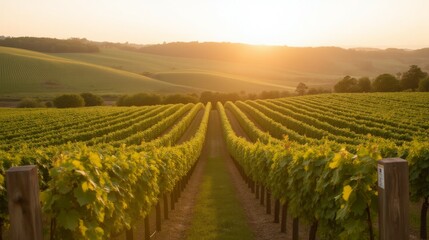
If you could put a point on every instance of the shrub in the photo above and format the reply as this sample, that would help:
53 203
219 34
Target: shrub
69 101
30 103
49 104
139 99
180 98
385 83
424 85
92 99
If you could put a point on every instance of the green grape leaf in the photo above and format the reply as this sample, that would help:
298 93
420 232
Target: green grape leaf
69 220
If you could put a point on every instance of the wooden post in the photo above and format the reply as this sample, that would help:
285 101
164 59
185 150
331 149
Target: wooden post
295 226
268 202
257 191
262 194
276 211
393 199
24 204
146 228
284 219
158 216
165 206
177 195
129 234
172 198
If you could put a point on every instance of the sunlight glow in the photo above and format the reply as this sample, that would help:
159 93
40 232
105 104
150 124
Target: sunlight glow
346 23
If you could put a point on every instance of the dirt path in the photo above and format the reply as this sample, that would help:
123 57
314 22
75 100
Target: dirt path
180 219
262 223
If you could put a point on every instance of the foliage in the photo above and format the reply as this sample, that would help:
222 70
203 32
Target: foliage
347 85
139 99
319 90
51 45
411 78
301 88
69 101
214 97
424 85
92 99
364 84
385 83
30 103
95 192
180 98
323 181
317 153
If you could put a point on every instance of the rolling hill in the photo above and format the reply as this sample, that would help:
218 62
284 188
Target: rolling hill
194 67
24 72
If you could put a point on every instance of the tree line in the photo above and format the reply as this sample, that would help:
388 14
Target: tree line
64 101
412 80
50 45
143 99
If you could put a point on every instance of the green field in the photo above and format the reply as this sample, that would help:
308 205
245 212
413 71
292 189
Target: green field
24 72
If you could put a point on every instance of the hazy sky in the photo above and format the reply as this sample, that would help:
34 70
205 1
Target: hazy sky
345 23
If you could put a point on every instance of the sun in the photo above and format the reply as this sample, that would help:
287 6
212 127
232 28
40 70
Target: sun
259 23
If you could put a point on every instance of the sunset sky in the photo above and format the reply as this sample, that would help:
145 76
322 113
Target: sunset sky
344 23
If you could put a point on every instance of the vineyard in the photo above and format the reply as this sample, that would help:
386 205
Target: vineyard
324 171
96 181
103 169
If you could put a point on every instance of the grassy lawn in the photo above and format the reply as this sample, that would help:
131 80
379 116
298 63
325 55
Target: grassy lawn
218 214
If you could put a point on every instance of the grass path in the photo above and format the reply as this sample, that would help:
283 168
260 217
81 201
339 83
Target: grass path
217 213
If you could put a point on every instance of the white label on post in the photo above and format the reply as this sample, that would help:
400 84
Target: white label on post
380 176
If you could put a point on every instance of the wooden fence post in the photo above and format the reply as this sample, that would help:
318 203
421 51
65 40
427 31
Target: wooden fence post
24 204
283 222
268 202
158 215
165 206
129 234
393 199
276 210
257 191
295 226
146 228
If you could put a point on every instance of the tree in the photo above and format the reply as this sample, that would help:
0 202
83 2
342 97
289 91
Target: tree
411 78
139 99
180 98
91 99
312 91
386 83
301 88
30 103
69 101
347 85
364 84
424 85
206 97
269 94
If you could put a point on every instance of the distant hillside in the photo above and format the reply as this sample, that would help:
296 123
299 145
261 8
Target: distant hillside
194 67
24 72
325 60
50 45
